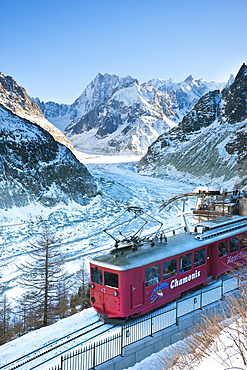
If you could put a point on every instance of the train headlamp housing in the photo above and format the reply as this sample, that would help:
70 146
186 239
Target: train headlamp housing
115 293
92 286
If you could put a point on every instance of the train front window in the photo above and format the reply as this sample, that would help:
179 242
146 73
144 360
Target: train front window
243 241
152 275
200 257
111 279
170 268
96 275
233 245
223 249
185 263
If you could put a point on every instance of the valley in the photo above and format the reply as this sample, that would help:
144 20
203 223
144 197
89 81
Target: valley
81 228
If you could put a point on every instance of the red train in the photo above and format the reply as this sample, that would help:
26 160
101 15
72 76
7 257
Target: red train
143 275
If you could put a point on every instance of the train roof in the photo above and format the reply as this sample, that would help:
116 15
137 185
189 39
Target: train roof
147 252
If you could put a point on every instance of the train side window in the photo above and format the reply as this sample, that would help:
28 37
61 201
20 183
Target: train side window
185 263
111 279
222 249
152 275
243 241
170 268
96 275
200 257
233 245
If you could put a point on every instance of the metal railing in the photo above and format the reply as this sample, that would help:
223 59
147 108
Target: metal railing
94 354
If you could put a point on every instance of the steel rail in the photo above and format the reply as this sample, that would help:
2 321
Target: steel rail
51 346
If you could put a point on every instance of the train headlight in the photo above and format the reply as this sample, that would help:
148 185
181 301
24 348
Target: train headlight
115 293
92 286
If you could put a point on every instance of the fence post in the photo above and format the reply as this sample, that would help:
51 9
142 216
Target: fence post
94 360
176 312
201 308
62 362
122 354
151 329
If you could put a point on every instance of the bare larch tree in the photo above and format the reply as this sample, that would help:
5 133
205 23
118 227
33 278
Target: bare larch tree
42 274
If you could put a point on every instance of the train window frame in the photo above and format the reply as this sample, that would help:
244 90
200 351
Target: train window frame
200 257
221 246
183 264
152 275
234 246
96 275
111 279
169 272
241 238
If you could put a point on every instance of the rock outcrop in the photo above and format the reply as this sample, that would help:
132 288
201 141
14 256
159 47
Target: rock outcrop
36 168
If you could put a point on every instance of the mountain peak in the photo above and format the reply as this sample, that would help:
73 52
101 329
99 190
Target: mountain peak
113 79
235 97
15 98
242 71
230 80
112 109
189 79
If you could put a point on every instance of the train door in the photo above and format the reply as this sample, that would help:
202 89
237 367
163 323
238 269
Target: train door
209 255
97 288
137 289
211 259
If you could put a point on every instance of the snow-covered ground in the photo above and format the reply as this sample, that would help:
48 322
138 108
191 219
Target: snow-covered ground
156 361
220 356
81 229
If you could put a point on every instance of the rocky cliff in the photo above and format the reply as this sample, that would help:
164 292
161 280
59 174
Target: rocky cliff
16 99
36 168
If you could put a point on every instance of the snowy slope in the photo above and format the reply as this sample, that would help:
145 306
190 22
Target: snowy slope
210 142
157 361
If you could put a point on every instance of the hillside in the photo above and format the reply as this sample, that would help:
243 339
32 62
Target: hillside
15 98
210 142
36 168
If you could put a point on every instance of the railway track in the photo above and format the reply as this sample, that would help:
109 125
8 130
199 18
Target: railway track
54 349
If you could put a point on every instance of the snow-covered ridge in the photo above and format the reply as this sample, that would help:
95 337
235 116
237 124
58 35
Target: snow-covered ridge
211 140
16 99
128 116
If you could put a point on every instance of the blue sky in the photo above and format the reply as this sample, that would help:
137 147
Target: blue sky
55 48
